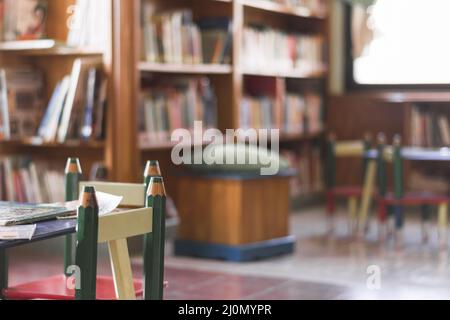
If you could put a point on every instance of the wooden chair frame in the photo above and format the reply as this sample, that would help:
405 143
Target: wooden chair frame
343 149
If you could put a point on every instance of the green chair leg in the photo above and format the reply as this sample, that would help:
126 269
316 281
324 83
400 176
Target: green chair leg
3 271
73 177
154 242
87 238
426 217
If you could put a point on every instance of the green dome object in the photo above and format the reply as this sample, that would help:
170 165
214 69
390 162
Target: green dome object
265 159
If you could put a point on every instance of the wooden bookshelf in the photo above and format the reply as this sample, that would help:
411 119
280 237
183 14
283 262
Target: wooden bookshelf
56 61
121 151
227 80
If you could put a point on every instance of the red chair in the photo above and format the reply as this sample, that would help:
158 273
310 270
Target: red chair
399 199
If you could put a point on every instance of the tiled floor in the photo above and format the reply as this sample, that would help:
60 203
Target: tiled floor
320 269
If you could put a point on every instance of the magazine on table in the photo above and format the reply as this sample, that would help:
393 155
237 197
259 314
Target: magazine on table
19 214
13 214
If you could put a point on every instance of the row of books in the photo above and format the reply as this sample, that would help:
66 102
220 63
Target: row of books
296 112
310 175
173 37
171 106
275 50
23 181
77 107
76 110
21 101
23 19
429 128
315 7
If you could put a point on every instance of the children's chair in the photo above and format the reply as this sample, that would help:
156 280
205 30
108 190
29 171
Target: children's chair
147 217
399 199
352 193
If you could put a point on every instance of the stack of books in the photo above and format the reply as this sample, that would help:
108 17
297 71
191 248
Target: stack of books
171 106
173 37
429 128
294 113
24 181
310 177
25 20
267 49
77 108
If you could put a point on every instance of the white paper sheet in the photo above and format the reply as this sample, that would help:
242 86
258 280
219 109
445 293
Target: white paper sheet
107 203
17 232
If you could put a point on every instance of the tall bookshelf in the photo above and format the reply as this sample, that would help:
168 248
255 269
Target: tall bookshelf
125 69
55 63
228 80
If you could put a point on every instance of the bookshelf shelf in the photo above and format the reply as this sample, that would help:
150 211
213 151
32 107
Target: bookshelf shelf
163 146
70 52
301 137
294 74
185 69
283 138
280 8
29 143
30 50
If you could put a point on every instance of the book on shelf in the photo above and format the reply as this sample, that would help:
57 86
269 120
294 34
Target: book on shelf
166 107
77 107
217 40
268 104
266 49
309 165
90 25
23 19
174 37
429 128
5 130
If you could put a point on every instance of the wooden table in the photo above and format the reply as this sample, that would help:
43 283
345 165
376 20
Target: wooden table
410 154
44 231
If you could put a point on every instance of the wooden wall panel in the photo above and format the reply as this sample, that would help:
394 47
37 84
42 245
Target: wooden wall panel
352 116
